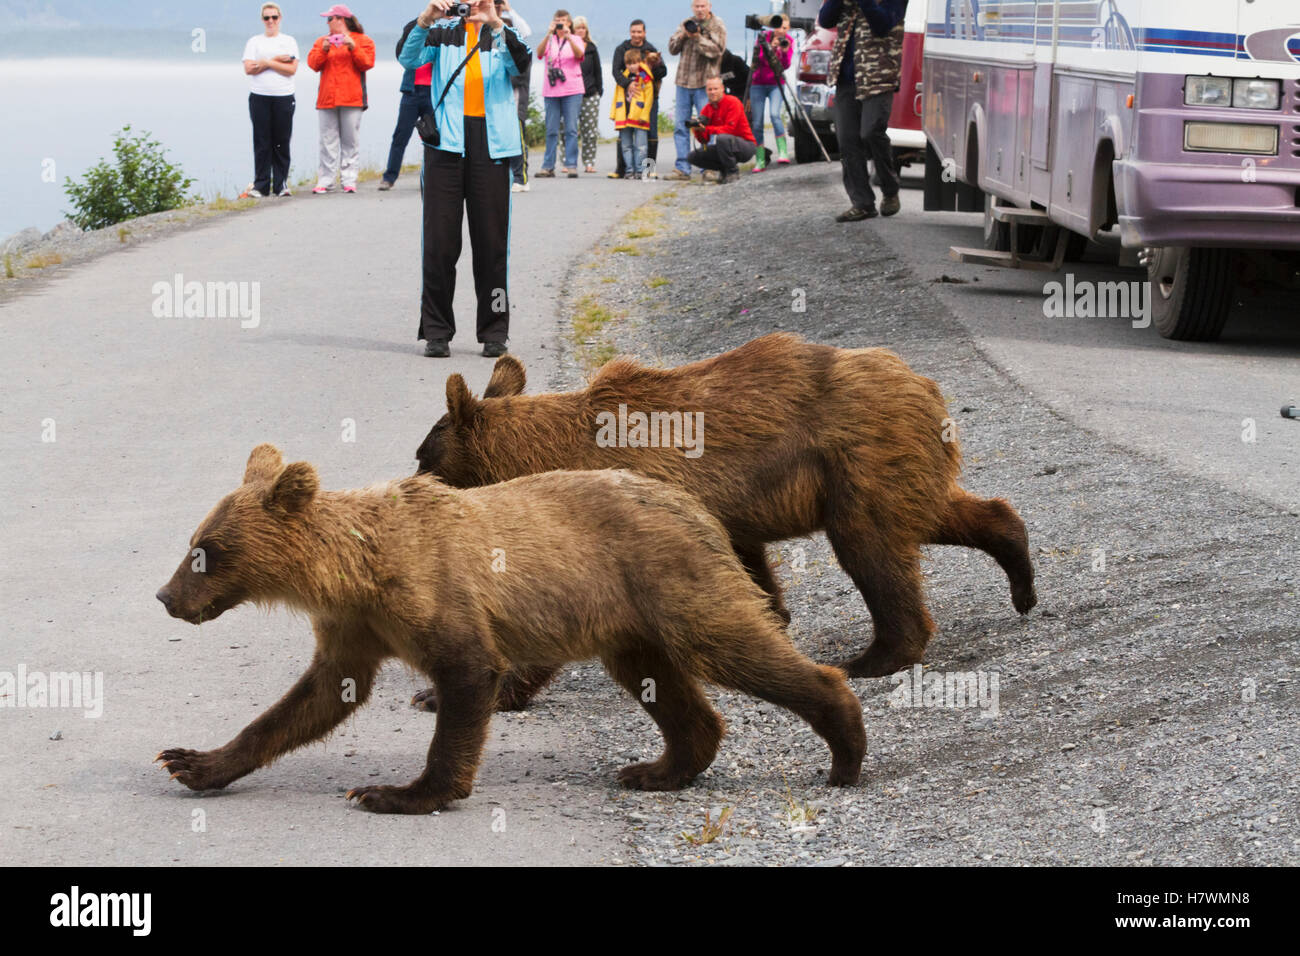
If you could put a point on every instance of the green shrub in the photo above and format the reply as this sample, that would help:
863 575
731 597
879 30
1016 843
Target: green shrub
535 127
142 182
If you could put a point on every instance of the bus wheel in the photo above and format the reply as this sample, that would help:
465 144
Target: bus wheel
997 235
1191 291
805 146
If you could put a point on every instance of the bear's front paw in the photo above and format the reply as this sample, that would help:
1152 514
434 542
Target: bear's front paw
198 770
386 799
653 776
426 700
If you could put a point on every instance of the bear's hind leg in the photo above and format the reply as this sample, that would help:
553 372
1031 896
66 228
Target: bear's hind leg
692 729
761 662
994 527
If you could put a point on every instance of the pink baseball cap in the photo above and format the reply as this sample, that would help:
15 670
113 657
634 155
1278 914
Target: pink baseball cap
338 10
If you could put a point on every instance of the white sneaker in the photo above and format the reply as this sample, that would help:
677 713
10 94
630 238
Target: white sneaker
517 188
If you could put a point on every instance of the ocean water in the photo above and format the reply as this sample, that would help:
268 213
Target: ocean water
61 114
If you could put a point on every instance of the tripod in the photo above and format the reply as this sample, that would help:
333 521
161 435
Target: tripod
791 101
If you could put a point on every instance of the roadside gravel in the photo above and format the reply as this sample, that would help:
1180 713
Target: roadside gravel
1146 709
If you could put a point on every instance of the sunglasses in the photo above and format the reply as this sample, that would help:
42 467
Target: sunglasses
271 18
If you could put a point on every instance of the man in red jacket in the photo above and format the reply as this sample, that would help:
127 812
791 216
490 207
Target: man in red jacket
724 130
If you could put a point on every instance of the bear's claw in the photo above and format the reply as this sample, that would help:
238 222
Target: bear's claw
388 799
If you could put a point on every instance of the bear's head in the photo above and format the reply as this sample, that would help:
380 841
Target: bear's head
241 551
450 450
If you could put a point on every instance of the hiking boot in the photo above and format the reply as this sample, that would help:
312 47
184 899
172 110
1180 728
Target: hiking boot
889 205
437 348
678 176
494 349
854 214
384 185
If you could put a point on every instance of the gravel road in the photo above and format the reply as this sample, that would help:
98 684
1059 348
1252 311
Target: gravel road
1146 710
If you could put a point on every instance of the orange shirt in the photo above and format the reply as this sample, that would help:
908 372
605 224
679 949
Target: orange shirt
473 75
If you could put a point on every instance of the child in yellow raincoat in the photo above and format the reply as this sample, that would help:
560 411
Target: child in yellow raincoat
631 112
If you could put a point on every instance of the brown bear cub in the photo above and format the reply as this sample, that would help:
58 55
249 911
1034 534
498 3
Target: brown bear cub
467 585
788 438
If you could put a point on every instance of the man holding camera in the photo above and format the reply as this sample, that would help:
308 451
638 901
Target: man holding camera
724 131
865 61
658 69
699 45
470 139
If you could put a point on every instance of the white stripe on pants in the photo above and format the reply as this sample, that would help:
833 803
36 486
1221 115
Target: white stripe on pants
340 133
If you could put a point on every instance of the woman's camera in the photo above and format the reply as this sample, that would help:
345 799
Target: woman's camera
461 10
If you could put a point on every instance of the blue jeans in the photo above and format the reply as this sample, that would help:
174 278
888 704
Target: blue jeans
567 106
770 96
633 144
686 98
414 105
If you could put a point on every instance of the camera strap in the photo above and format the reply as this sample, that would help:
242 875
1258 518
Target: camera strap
484 34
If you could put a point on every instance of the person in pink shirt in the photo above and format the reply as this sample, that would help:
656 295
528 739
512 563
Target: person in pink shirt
562 91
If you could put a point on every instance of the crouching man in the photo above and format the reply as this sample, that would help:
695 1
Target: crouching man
723 130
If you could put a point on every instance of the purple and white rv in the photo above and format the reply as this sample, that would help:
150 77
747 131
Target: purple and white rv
1173 123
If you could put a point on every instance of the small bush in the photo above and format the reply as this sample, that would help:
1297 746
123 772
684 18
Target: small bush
142 182
535 126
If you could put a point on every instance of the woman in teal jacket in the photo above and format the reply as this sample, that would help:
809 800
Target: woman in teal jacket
478 133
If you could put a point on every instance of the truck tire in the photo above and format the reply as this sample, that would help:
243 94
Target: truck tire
805 147
1191 291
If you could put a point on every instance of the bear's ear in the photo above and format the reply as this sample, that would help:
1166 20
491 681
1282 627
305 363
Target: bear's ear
294 489
460 403
263 464
507 378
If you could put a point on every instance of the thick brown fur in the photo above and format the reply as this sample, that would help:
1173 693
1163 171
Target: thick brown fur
465 586
798 438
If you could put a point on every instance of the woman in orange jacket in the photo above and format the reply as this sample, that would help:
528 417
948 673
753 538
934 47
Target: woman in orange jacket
342 59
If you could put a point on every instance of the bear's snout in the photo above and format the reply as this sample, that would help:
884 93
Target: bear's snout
165 596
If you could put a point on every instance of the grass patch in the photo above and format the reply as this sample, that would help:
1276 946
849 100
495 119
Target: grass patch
608 280
43 260
9 266
711 830
590 318
221 204
640 233
592 348
800 815
655 282
628 250
123 233
368 174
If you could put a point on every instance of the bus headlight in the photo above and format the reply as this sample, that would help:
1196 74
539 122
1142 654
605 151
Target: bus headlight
1257 94
1208 91
1242 92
